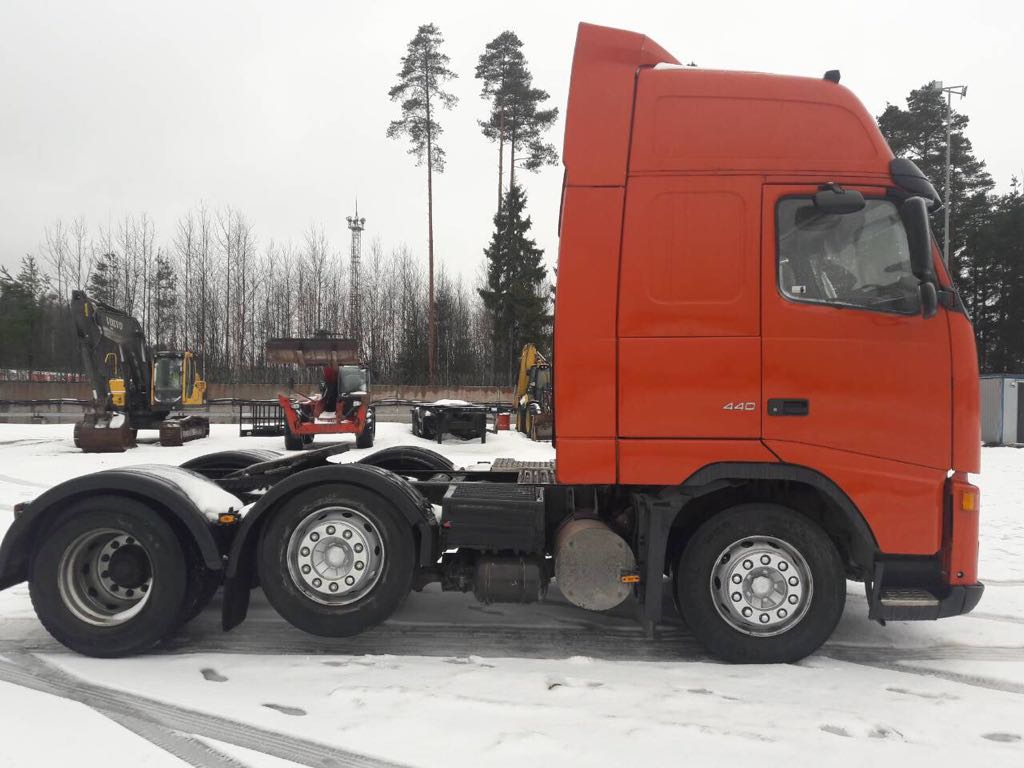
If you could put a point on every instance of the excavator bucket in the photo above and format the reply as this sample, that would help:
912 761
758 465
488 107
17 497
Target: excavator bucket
315 352
94 435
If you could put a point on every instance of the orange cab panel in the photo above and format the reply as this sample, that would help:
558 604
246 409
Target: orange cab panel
691 119
690 387
690 254
671 462
588 256
901 503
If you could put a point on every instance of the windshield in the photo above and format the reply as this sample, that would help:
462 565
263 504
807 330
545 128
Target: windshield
353 379
857 259
167 379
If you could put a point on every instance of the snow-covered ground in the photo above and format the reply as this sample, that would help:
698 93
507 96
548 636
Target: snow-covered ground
449 682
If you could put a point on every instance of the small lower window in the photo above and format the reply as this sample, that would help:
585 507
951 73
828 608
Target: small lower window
857 259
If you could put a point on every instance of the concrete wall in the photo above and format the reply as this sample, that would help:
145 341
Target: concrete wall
52 390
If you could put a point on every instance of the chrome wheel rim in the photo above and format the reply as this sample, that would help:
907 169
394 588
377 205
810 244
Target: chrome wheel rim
335 555
105 577
761 586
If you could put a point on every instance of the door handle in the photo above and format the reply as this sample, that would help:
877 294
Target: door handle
788 406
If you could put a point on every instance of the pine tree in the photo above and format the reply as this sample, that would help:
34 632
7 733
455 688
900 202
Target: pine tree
424 69
515 296
24 301
516 119
104 280
165 301
919 133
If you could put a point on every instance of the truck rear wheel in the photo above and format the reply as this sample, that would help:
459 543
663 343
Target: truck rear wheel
336 560
760 583
108 579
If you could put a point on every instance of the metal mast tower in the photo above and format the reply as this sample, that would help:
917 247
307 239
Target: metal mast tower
356 225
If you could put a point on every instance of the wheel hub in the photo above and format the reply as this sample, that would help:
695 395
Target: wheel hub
105 577
335 555
761 586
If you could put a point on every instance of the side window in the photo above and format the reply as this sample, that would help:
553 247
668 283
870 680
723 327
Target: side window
857 259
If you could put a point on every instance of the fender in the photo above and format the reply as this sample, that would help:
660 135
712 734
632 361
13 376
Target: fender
664 508
185 496
707 477
399 492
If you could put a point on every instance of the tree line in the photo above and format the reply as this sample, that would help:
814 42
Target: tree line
986 232
211 285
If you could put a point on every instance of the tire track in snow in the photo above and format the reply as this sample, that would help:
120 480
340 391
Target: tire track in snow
31 672
975 681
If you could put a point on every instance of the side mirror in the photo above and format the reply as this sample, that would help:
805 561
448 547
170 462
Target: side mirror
835 199
929 300
914 213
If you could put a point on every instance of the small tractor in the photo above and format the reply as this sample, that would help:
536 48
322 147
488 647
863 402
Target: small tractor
343 404
133 387
534 395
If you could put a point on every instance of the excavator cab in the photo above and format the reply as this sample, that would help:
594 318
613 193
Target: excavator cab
175 381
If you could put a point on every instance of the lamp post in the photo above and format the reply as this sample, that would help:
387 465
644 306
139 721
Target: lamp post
949 90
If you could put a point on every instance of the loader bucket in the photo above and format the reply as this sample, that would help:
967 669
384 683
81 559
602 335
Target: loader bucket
94 437
313 352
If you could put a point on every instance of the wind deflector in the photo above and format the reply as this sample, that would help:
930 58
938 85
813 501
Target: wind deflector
600 109
908 177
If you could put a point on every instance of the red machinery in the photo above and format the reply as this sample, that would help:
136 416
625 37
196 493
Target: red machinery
343 404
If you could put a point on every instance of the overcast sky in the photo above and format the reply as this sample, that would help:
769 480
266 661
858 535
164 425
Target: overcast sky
279 108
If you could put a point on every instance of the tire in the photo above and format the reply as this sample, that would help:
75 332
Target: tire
216 465
202 586
365 438
69 595
404 458
378 589
292 442
786 624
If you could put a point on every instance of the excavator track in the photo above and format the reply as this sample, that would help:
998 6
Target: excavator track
181 429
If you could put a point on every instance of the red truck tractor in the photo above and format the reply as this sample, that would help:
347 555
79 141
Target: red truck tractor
342 407
765 385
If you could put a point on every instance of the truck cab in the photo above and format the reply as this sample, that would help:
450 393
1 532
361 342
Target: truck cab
745 322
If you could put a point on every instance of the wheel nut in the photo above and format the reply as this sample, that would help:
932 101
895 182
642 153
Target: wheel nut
793 599
346 534
330 530
783 566
748 612
317 583
763 618
793 581
314 536
747 564
304 551
360 565
736 597
306 569
334 586
350 580
783 613
765 559
358 548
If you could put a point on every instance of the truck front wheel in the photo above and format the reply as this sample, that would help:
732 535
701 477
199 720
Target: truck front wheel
760 583
336 560
108 578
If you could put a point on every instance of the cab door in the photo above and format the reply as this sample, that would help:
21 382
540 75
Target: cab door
849 361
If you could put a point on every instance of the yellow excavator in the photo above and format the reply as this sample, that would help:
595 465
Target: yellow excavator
534 395
133 387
